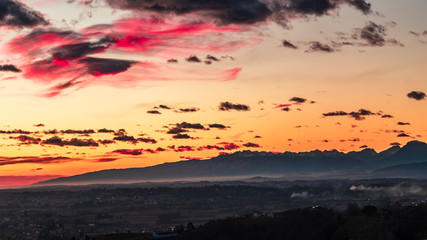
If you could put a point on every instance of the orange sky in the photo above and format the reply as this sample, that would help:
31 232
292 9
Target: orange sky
90 65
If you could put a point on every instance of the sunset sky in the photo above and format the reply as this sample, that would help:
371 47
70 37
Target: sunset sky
88 85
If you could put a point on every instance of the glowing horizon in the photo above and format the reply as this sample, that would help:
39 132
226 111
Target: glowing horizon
192 79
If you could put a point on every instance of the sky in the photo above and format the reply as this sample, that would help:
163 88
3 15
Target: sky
87 85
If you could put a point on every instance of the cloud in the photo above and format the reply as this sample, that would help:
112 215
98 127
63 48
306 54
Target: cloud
288 44
9 68
374 34
15 131
190 125
134 152
37 160
153 112
320 47
336 113
298 100
172 60
403 135
222 146
403 123
73 131
176 130
125 138
104 130
24 139
242 12
163 107
217 125
251 145
181 136
105 66
212 58
386 116
395 144
193 59
38 125
286 109
187 110
227 106
417 95
16 14
72 142
358 115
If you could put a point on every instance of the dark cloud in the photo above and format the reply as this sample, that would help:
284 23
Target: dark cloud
374 34
364 146
72 142
163 107
187 110
320 47
225 12
227 106
154 112
417 95
9 68
395 144
336 113
24 139
104 130
72 131
147 140
38 125
222 146
106 141
286 109
176 130
251 145
310 7
15 131
217 125
257 136
181 136
134 152
102 66
79 50
403 135
358 115
212 58
403 123
361 5
125 138
172 60
184 149
190 125
386 116
16 14
193 59
298 100
289 44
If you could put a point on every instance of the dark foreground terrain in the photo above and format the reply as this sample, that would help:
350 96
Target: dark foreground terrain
254 209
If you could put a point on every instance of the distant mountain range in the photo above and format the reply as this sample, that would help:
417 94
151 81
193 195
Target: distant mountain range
407 161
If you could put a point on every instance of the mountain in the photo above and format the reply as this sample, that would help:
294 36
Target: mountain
248 163
411 170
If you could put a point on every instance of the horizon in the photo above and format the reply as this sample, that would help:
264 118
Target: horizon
90 85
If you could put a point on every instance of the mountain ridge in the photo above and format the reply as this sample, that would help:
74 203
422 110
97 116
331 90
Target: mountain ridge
249 163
